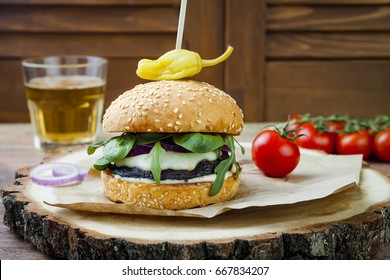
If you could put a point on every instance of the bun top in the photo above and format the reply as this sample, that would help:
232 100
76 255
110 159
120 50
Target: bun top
174 106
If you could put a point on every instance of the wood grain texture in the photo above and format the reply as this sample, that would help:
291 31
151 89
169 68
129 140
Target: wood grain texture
92 2
327 2
328 45
87 19
245 70
16 45
203 33
357 88
328 18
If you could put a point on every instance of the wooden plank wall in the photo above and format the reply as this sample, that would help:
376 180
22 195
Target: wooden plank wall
327 57
291 56
123 31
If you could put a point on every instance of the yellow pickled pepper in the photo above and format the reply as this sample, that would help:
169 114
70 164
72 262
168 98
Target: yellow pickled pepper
177 64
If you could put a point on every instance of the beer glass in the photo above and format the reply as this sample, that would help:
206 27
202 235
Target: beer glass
65 96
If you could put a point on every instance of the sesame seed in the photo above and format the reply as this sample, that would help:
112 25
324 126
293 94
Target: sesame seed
199 121
157 120
184 102
180 116
176 110
161 129
139 114
169 125
199 113
178 123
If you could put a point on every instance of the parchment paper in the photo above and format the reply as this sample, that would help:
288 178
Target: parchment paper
317 176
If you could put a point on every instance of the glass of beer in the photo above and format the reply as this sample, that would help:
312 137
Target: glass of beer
65 96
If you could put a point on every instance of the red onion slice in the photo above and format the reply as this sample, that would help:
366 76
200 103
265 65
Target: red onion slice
61 174
58 172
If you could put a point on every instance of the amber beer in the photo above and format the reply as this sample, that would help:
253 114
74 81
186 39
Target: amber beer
65 96
65 110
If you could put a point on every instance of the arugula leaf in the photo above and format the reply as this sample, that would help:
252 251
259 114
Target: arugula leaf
156 166
199 142
118 147
92 148
221 170
224 166
101 164
147 138
242 148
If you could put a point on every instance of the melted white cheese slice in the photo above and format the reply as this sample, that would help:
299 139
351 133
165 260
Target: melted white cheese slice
168 160
206 178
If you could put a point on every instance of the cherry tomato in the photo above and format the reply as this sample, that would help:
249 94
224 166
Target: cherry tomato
307 131
382 145
274 154
292 125
312 139
335 126
326 141
359 142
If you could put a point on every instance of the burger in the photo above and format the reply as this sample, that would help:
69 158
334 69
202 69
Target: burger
173 148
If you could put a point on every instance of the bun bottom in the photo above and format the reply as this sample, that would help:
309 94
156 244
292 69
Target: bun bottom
166 196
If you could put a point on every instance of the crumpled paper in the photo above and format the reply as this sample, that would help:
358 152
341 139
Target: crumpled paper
317 175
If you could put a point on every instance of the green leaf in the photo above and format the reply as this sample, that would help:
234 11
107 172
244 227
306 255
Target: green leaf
147 138
223 167
155 153
118 147
101 164
221 170
241 147
92 148
199 142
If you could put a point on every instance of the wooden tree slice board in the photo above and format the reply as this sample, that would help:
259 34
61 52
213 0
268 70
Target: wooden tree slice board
353 224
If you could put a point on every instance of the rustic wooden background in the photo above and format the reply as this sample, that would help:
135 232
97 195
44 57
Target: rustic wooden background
291 56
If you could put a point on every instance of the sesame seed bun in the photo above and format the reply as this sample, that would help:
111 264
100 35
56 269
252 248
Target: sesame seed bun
174 107
166 196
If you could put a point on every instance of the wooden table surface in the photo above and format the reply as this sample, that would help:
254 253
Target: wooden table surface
17 150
